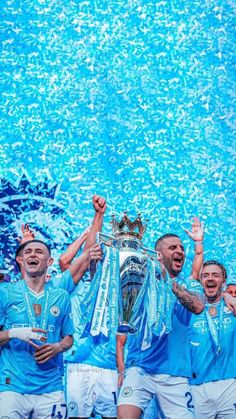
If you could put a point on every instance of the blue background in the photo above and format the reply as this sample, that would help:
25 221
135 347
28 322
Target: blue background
134 100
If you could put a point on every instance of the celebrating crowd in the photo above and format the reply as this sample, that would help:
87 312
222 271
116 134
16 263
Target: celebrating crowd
51 366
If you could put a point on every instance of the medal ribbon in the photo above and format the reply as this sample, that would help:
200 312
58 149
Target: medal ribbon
157 320
29 306
169 303
214 332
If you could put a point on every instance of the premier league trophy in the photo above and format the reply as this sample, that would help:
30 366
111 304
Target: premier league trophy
133 266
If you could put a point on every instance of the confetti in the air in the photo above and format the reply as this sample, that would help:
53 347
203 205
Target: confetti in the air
131 100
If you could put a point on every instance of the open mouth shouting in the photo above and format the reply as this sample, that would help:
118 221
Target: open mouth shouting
178 262
211 287
32 262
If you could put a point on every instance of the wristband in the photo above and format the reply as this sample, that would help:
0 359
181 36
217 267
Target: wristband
196 243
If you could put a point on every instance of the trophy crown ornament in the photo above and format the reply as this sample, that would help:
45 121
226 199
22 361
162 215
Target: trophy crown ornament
126 227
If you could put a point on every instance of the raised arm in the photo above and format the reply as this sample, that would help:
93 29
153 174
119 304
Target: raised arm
82 263
99 205
92 251
197 235
71 251
27 234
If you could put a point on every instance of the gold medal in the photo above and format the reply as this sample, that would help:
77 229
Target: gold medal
37 309
212 311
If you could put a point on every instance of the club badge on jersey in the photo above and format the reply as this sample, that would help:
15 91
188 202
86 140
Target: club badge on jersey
212 311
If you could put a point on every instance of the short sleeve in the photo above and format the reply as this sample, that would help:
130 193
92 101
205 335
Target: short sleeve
67 327
64 281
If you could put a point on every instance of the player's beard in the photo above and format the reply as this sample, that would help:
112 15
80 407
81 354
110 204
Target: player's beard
171 267
211 298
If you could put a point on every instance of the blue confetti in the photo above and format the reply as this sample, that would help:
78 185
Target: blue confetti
134 101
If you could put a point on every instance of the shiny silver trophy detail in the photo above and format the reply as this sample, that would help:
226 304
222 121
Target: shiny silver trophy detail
133 260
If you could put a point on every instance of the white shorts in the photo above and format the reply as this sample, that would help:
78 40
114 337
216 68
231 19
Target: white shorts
43 406
215 399
91 389
172 393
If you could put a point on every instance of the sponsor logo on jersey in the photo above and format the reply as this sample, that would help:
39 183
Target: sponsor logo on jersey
204 325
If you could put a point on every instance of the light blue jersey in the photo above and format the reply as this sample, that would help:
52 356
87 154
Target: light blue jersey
82 346
103 353
212 344
96 351
168 354
19 371
64 281
195 286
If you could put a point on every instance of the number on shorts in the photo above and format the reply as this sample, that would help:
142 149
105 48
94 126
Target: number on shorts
189 402
115 398
56 414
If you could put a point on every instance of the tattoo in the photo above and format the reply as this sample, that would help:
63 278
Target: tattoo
190 300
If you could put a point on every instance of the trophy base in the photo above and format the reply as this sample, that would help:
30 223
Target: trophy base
126 329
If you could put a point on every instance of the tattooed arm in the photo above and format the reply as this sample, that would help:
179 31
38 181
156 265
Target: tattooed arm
188 299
